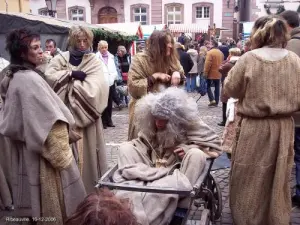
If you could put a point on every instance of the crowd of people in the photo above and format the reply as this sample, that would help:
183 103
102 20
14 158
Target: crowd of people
55 104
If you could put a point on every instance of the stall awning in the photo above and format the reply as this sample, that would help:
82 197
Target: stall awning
133 28
188 28
148 29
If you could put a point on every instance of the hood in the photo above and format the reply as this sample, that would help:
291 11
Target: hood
192 52
295 32
234 58
271 54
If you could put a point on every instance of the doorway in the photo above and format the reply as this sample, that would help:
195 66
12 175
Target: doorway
107 15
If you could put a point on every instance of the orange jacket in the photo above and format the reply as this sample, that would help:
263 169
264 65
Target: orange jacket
213 61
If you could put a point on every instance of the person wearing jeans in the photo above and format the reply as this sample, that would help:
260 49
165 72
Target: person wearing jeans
192 75
213 61
216 96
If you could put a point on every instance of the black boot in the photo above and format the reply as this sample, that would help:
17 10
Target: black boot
222 124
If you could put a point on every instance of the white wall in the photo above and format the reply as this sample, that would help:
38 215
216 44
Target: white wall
82 3
35 5
188 9
128 3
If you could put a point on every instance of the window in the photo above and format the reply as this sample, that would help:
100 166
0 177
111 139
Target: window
43 12
140 15
174 15
77 13
202 12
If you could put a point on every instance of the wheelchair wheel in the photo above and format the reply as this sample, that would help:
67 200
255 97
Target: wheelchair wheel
214 203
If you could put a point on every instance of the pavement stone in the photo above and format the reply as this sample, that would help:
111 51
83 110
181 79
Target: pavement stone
114 137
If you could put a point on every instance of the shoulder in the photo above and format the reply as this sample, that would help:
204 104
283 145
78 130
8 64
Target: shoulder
92 57
61 57
293 56
29 79
141 57
111 55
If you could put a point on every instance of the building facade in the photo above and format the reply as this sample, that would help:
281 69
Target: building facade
15 6
148 12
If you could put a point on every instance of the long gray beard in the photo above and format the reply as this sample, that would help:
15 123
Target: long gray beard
169 137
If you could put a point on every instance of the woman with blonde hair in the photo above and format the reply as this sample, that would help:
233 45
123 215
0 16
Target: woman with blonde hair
152 71
266 83
77 77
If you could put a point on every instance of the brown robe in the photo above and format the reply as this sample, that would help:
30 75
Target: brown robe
140 69
42 177
86 100
263 156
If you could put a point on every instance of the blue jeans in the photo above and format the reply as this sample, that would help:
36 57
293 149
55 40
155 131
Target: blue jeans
297 159
191 82
211 96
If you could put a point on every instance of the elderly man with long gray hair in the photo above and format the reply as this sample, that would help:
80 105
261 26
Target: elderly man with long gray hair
171 131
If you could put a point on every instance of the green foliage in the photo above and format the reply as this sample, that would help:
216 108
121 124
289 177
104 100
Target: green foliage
102 34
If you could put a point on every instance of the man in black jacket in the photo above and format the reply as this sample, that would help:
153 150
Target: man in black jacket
185 59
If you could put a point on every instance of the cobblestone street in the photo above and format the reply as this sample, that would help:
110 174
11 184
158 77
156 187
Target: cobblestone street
115 136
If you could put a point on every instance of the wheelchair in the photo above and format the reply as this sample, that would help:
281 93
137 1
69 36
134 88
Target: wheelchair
205 195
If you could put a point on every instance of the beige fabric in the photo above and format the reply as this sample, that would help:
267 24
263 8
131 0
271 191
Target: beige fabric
141 68
136 167
57 155
262 159
86 101
31 107
200 143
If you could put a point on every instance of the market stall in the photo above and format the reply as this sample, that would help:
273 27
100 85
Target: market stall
57 29
134 28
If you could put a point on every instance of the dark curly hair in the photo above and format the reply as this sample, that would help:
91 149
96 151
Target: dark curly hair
102 207
18 42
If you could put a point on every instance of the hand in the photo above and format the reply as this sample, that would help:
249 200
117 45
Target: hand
180 152
175 80
78 75
162 77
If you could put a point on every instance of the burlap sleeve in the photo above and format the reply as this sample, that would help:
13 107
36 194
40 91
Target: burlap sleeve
56 149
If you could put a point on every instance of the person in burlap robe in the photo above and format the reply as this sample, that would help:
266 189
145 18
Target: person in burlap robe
77 77
266 83
151 71
171 132
39 175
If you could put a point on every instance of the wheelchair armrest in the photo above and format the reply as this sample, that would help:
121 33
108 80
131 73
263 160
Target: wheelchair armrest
206 170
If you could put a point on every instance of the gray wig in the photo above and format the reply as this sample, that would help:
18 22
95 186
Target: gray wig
173 105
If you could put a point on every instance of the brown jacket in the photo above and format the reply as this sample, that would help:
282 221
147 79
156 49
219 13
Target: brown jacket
213 61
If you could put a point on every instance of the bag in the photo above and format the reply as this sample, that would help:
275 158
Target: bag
198 81
125 76
202 85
